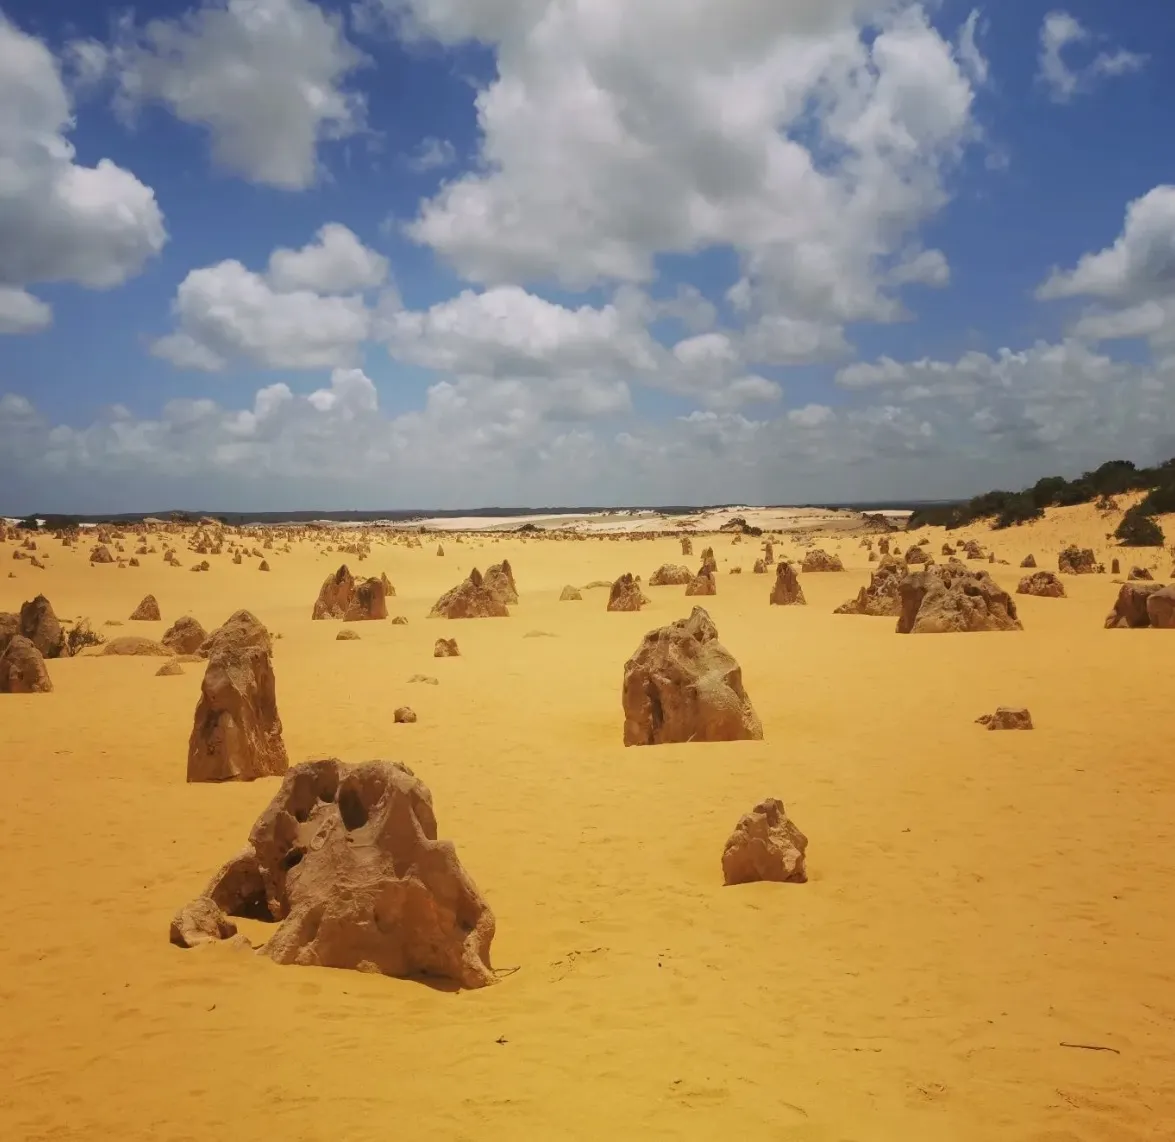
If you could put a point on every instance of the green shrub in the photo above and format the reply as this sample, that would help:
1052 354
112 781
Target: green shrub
1138 530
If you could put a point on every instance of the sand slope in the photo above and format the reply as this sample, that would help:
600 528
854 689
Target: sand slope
975 900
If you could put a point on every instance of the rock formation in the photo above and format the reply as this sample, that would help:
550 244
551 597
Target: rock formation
1044 584
335 595
670 575
1007 718
470 600
787 591
1160 608
570 594
367 602
499 578
704 582
184 636
101 554
951 598
687 545
446 648
346 861
1077 561
917 555
169 669
882 598
134 646
765 845
404 715
759 567
683 685
1131 607
347 636
241 629
147 611
40 626
236 732
1140 574
22 668
818 560
626 595
1028 561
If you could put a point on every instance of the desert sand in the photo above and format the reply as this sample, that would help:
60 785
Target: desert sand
975 900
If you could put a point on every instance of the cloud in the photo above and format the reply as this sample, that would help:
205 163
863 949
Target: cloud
809 140
432 154
970 55
60 221
1060 32
1133 279
20 312
306 312
268 80
335 262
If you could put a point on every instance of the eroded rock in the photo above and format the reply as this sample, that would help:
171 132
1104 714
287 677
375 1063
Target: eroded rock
1043 584
882 598
471 599
953 599
786 591
765 845
22 668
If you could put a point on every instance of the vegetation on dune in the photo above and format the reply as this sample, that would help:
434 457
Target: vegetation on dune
1137 529
1113 478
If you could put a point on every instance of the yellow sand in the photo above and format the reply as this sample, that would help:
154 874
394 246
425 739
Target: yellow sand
976 899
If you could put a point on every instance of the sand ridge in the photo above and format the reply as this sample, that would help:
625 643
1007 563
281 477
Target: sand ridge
974 899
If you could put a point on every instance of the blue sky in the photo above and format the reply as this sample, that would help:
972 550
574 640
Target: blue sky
553 251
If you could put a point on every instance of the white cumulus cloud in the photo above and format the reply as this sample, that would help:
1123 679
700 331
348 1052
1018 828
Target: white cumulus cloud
1060 35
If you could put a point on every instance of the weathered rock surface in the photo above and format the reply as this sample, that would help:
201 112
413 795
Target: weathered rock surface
670 575
241 629
818 560
786 591
40 626
1007 718
346 861
236 732
626 595
683 685
1028 561
101 554
334 597
954 599
22 668
169 669
147 611
367 602
1160 608
765 845
1130 608
917 555
882 598
570 594
470 600
705 582
135 646
1043 584
184 636
347 636
404 715
200 922
446 648
499 578
1077 561
1140 574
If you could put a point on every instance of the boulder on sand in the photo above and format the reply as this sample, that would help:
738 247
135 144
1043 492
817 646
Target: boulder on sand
236 731
334 597
882 598
345 860
570 594
1007 718
818 560
917 555
446 648
147 611
1028 561
1131 607
200 922
470 600
499 578
787 591
101 554
687 545
242 628
404 715
953 599
683 685
704 582
367 602
135 646
40 626
22 668
626 595
1140 574
765 845
1043 584
184 636
1160 608
670 575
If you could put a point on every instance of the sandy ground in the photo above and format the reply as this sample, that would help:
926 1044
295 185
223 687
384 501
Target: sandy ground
976 899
